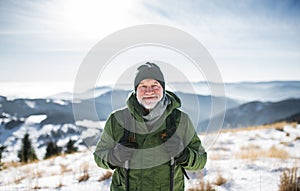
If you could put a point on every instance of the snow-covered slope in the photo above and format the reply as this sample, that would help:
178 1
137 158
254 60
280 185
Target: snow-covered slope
254 159
40 135
240 157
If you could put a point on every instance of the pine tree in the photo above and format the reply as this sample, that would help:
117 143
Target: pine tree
27 153
2 148
71 147
52 150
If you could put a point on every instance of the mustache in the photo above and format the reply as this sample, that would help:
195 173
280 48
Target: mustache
150 96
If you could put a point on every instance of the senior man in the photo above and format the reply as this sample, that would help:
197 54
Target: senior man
150 143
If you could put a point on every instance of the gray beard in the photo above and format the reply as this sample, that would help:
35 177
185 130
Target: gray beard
147 106
154 118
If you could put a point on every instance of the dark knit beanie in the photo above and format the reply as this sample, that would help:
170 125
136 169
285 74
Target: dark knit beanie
149 71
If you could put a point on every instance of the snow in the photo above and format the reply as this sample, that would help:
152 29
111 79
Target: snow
294 132
60 102
35 118
30 104
261 173
91 124
38 134
61 172
93 127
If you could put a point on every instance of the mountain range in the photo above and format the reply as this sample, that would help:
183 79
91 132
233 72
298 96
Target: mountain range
52 118
258 113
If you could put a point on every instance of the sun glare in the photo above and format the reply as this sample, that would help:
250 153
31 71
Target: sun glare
93 18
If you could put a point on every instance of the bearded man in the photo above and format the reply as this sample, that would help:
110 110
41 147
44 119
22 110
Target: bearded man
150 143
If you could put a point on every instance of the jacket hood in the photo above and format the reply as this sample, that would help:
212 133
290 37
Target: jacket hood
138 111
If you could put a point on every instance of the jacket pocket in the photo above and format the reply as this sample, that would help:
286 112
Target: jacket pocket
118 183
178 185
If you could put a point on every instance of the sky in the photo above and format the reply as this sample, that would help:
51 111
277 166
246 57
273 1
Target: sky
249 40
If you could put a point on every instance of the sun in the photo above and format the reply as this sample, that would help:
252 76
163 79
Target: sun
93 18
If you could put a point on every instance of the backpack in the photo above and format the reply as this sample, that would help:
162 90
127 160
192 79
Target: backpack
165 135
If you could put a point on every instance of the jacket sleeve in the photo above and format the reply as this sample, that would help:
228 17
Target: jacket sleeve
197 156
104 145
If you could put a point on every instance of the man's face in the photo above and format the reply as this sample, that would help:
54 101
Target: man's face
149 92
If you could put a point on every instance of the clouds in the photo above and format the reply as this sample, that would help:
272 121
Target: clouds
249 36
250 40
237 20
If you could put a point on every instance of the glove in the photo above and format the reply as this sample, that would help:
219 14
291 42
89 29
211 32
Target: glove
175 148
121 152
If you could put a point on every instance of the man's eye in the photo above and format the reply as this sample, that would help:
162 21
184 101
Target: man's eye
153 87
143 87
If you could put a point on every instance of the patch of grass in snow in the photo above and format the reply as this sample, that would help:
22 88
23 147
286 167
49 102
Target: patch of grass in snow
220 180
275 152
37 187
84 177
203 186
60 185
64 169
85 170
7 165
284 143
254 152
250 147
289 181
251 152
214 156
13 164
18 179
278 126
105 176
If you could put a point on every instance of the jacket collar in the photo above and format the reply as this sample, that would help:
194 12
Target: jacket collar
137 111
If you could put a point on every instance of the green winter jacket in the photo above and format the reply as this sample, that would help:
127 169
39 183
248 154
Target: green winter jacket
150 163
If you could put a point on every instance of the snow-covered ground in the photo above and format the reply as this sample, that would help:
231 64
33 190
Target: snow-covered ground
247 160
253 160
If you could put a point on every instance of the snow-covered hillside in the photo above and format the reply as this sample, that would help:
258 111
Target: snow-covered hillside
253 159
245 159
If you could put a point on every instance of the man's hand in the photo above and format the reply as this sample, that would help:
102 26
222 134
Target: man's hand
122 152
176 149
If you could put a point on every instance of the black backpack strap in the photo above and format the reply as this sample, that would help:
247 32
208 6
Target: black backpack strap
170 125
128 136
171 129
129 132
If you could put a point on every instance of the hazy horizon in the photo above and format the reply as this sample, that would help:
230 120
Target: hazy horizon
35 89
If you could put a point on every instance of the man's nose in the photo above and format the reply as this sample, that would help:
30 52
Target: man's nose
149 89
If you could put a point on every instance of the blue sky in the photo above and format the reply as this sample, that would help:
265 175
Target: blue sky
251 40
